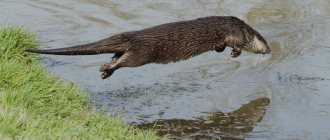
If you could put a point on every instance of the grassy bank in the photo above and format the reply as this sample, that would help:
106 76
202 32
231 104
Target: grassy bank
34 105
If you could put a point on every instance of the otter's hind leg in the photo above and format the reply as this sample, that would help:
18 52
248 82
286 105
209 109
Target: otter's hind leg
113 61
125 60
115 57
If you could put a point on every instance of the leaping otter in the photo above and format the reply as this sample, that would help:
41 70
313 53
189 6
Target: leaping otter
171 42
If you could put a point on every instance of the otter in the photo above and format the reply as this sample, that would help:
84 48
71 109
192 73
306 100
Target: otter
171 42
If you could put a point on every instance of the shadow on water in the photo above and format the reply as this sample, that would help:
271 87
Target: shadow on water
232 125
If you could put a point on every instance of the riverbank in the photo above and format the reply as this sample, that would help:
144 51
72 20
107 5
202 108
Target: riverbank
35 105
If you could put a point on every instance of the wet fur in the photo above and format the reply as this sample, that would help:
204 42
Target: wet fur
171 42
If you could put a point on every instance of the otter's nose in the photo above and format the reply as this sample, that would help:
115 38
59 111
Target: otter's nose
267 51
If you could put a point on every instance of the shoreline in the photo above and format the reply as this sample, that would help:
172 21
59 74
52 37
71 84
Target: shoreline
35 105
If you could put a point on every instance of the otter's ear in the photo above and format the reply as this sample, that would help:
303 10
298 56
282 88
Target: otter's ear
234 39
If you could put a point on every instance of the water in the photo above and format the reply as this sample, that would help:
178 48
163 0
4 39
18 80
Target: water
201 97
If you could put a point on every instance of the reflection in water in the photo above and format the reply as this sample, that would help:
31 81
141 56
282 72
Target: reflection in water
296 75
217 125
284 11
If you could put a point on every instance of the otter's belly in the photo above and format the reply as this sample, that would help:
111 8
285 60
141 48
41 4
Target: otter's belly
180 53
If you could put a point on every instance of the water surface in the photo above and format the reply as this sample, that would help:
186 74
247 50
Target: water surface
197 97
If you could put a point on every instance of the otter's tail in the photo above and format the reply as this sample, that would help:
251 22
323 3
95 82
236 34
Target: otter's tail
108 45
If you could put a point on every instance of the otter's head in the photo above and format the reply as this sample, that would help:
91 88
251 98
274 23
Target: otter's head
254 42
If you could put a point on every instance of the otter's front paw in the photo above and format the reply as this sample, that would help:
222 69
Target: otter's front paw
220 49
235 53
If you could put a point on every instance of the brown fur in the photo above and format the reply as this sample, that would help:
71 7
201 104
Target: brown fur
170 42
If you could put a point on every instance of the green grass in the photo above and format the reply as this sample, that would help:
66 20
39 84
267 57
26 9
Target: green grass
35 105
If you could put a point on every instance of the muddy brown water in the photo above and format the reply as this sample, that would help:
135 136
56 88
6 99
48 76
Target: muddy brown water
211 96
